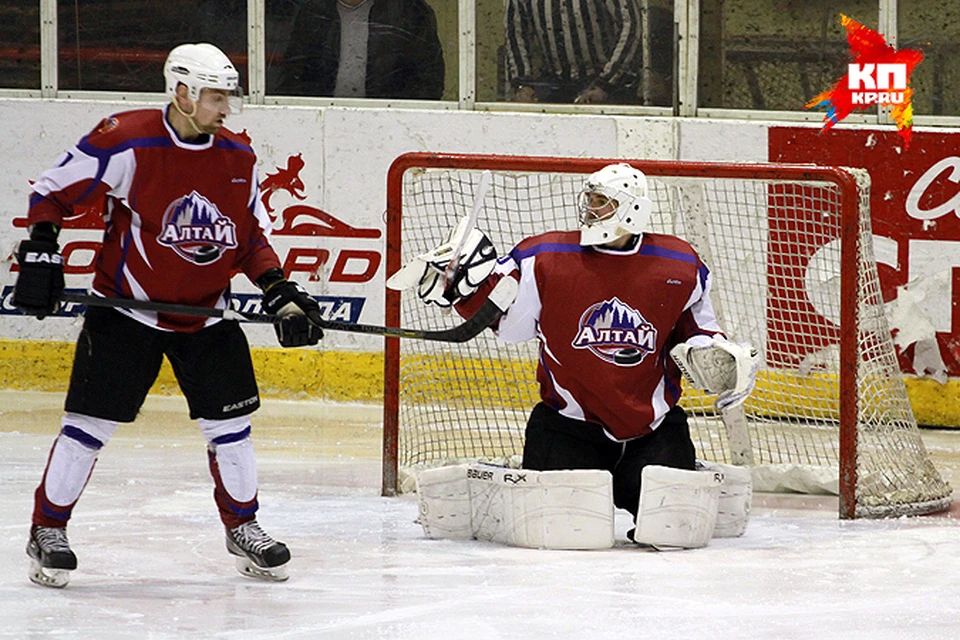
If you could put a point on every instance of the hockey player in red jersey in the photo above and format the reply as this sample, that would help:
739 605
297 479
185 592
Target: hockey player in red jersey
183 216
610 304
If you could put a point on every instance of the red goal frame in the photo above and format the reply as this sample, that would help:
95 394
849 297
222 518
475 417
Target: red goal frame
849 238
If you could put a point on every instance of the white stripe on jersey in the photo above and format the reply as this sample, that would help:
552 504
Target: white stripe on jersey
659 403
148 318
256 205
701 308
521 321
572 408
137 236
118 173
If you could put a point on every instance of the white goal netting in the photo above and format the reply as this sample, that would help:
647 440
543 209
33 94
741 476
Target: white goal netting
773 237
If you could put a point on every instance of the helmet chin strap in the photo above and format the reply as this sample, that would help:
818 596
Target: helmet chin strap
188 116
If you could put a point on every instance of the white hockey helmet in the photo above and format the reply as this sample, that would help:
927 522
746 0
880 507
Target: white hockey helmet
623 187
202 66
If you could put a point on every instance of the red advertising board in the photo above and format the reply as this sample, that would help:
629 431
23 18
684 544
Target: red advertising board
915 210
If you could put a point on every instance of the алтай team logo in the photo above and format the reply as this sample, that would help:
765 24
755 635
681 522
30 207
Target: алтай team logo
616 333
196 230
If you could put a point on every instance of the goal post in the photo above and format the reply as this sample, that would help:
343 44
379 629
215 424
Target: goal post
790 247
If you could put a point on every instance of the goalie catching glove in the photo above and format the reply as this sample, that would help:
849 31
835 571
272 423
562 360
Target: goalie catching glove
719 366
428 271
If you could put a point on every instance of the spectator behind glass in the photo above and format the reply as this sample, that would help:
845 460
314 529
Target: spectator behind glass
364 49
588 50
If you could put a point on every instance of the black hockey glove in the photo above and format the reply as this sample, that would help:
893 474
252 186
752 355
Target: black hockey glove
40 283
298 314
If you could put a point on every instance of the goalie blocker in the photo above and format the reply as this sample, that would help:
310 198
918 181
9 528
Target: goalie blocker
574 509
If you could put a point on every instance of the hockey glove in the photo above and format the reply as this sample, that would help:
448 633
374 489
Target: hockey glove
477 260
428 271
40 283
720 367
298 315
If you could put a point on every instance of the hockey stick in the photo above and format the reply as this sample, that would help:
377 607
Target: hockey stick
469 224
493 307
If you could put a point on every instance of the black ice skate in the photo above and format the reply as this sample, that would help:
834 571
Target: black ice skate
258 555
51 559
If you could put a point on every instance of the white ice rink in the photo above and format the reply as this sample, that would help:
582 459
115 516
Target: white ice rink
153 563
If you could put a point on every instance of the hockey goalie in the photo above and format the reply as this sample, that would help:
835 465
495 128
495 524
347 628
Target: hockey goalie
621 315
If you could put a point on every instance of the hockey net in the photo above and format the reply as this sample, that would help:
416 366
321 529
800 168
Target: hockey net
794 275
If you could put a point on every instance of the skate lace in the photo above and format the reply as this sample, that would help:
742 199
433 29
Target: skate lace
52 539
251 537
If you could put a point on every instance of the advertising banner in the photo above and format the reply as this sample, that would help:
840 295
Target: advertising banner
915 210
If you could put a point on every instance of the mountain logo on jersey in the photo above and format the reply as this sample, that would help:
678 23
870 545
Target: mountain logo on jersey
196 230
616 332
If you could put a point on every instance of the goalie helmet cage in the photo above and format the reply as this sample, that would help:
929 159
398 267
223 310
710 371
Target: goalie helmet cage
794 274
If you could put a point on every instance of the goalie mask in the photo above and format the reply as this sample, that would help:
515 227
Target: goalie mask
202 66
613 203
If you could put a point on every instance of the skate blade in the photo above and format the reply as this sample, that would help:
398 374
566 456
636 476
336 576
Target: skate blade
249 569
47 577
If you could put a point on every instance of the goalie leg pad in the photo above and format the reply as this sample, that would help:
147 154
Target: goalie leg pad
736 495
678 508
542 509
444 502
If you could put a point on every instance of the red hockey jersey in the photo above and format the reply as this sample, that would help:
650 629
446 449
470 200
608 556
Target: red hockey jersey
181 217
606 321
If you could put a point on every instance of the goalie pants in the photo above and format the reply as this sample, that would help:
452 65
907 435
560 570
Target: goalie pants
117 360
556 442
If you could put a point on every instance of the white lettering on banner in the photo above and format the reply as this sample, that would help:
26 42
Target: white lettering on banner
931 266
821 280
920 187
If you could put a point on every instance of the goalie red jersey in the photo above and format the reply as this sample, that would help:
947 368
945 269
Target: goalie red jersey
181 218
606 320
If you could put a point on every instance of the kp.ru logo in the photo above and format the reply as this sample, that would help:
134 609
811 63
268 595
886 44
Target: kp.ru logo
196 230
873 77
616 333
879 75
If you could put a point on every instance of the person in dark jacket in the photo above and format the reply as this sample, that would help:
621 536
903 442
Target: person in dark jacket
364 49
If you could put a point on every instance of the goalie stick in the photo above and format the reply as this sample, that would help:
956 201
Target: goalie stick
468 224
493 307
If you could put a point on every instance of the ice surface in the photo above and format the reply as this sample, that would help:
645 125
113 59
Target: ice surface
153 563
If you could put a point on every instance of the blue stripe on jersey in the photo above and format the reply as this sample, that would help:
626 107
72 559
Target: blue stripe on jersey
546 247
233 146
661 252
703 272
35 198
66 160
103 155
673 391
